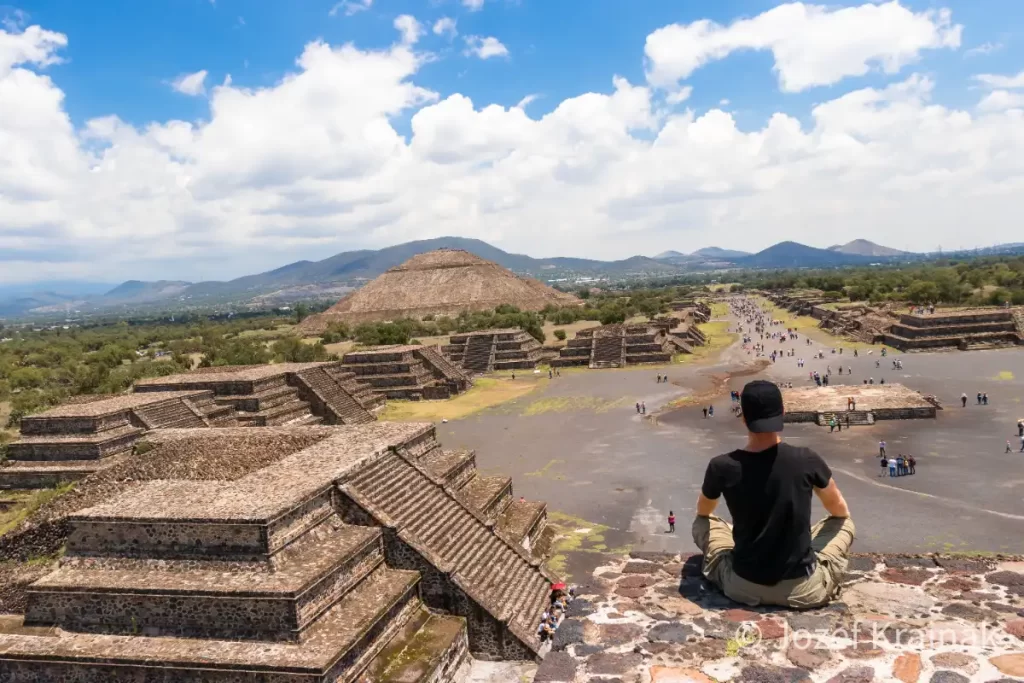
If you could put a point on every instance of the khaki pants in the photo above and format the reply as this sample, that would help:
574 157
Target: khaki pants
831 539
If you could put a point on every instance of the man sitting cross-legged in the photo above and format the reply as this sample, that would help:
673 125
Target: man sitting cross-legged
771 555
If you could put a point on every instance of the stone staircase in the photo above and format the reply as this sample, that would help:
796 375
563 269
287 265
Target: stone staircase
852 418
330 399
607 352
460 529
362 392
448 370
479 356
171 414
256 579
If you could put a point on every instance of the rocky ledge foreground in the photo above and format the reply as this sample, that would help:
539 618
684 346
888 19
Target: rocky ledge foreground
653 618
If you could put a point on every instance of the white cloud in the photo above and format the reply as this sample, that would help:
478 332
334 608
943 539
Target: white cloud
484 47
446 26
1001 100
473 5
350 7
997 81
191 84
313 164
527 101
983 49
410 29
812 45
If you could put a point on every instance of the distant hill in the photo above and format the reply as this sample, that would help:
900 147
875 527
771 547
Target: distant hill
796 255
670 254
137 291
865 248
719 253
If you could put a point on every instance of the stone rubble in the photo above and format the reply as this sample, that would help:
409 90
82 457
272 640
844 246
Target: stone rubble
652 618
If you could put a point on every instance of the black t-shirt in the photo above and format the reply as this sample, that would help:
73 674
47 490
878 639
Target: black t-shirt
769 496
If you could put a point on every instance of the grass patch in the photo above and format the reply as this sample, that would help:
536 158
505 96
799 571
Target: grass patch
487 392
567 404
32 502
5 413
719 309
570 331
1005 376
575 535
719 338
808 326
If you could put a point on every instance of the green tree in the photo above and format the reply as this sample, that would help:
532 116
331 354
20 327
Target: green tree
301 312
559 335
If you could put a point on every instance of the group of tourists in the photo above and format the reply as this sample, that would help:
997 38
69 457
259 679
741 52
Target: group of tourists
641 408
899 465
662 379
982 399
559 601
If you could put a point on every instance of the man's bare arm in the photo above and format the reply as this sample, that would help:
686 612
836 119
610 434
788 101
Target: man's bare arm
832 498
706 506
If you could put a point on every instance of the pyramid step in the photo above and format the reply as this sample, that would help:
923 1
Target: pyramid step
182 519
520 518
338 647
453 468
276 605
30 474
430 649
487 495
54 447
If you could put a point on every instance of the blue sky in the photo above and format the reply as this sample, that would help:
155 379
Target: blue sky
122 58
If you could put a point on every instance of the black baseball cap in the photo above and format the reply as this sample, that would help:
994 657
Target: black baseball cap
761 402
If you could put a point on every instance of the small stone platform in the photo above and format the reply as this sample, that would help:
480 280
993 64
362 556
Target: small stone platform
412 372
873 402
966 329
616 346
486 350
72 441
653 617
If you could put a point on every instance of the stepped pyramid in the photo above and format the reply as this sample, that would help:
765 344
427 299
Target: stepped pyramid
77 439
317 568
442 282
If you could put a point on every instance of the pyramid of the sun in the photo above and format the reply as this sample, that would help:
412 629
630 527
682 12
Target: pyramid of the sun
442 282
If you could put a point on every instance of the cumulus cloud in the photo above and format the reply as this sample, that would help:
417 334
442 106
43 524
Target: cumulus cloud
446 26
350 7
997 81
473 5
812 45
191 84
410 29
484 47
313 164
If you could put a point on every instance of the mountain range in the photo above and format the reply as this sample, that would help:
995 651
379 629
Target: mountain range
334 276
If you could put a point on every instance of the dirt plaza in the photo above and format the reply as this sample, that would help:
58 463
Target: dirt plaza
579 443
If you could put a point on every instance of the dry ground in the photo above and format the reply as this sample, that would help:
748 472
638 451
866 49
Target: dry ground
570 331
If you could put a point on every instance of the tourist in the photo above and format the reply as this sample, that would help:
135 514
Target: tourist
771 555
659 379
892 467
1008 449
963 400
1020 427
671 522
832 424
705 409
882 381
911 464
881 447
643 408
711 411
901 465
979 398
1022 444
984 399
885 466
638 407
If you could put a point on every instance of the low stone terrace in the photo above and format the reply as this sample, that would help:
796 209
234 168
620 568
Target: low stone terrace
486 350
72 441
411 372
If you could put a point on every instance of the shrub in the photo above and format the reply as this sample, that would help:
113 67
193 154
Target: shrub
560 335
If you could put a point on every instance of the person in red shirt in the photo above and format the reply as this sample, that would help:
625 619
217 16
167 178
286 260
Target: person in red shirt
672 520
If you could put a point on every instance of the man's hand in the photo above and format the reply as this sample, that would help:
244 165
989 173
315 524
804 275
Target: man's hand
832 498
706 506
